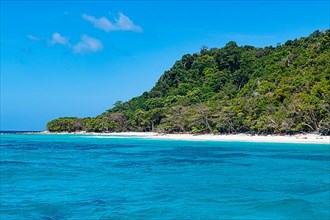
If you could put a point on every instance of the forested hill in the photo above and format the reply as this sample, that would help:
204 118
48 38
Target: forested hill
235 89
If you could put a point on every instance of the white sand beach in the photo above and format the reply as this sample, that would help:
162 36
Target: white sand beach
299 138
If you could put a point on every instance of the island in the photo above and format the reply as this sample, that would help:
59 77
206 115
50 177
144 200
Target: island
282 90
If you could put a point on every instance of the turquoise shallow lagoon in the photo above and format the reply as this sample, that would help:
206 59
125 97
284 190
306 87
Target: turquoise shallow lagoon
86 177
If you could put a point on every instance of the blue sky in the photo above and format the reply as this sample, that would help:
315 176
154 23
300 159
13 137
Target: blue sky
77 58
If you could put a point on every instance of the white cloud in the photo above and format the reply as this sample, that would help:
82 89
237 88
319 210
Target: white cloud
101 23
126 24
33 38
58 39
122 23
87 45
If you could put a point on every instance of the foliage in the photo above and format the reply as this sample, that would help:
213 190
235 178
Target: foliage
283 89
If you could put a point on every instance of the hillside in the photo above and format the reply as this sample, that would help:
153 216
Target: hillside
235 89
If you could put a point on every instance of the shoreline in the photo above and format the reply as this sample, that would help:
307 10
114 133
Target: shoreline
298 138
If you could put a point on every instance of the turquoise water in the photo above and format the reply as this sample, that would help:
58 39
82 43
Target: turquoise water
85 177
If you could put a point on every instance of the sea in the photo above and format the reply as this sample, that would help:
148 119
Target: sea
63 176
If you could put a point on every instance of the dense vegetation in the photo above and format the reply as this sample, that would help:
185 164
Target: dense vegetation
282 89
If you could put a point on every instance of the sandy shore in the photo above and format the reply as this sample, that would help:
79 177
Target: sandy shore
299 138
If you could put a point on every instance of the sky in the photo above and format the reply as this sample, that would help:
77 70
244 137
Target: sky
77 58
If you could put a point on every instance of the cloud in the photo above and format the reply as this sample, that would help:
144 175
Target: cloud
33 38
58 39
122 23
101 23
126 24
87 45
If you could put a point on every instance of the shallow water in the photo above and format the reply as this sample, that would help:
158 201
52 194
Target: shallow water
84 177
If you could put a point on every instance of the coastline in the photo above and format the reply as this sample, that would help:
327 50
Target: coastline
298 138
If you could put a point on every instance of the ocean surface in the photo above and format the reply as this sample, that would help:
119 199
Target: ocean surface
95 177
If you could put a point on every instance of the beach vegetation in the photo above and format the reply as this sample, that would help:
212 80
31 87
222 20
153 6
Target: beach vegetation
234 89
